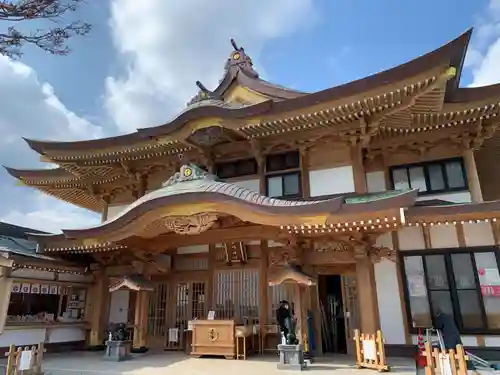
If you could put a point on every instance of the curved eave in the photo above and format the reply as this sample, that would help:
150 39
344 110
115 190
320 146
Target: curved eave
253 210
192 203
42 147
452 53
454 212
475 94
39 174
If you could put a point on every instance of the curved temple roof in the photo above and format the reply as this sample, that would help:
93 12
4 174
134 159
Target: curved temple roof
241 69
191 202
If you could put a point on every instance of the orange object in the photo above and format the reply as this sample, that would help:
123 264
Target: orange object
420 359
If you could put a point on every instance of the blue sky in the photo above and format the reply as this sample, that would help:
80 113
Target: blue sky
138 67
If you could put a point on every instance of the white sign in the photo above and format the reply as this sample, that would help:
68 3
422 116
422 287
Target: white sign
25 361
173 334
369 350
211 315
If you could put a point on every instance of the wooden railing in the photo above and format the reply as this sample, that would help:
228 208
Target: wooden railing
27 360
370 351
445 362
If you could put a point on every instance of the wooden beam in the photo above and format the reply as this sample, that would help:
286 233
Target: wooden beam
243 233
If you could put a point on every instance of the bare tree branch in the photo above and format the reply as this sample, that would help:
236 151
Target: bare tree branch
53 39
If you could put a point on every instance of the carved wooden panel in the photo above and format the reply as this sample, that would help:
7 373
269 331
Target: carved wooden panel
279 256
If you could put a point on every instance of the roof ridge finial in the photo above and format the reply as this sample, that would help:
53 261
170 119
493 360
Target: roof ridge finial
241 61
203 94
235 46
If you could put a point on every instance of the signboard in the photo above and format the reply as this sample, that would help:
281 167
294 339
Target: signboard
369 350
490 290
25 361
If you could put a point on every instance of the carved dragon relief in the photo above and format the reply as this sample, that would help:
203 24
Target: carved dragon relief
189 225
352 248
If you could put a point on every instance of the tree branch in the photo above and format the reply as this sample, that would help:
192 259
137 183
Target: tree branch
52 40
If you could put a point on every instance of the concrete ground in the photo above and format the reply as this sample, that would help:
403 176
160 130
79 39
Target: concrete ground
86 363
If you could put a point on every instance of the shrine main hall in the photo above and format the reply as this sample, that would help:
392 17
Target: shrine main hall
370 205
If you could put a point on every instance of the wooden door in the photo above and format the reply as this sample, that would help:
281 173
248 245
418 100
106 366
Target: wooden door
187 302
157 315
351 310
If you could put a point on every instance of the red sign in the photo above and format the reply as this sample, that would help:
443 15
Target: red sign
490 290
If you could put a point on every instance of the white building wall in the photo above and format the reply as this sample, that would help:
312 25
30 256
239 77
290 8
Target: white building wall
375 181
331 181
113 211
390 312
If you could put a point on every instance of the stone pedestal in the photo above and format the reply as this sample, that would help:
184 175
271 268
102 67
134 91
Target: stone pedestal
291 357
117 351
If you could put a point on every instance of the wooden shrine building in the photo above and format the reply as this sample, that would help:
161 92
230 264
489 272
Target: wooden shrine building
367 193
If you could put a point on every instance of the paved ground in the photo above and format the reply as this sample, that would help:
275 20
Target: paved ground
85 363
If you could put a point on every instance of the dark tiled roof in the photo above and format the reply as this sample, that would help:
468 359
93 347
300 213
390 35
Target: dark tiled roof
16 231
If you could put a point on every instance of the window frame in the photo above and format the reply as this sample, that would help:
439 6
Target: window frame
283 173
447 253
236 163
425 165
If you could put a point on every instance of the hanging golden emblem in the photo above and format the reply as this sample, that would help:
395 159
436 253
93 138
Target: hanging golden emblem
213 335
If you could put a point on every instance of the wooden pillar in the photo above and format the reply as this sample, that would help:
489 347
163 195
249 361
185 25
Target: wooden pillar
105 207
141 322
366 292
472 176
209 292
99 308
304 167
263 284
5 290
358 169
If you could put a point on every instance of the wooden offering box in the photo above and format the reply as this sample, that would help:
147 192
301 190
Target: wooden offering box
213 337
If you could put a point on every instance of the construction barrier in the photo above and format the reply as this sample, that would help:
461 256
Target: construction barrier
445 362
25 360
370 351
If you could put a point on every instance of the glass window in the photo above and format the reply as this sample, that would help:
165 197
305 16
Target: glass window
419 303
465 285
417 178
275 186
436 272
436 177
489 281
400 177
291 184
467 293
455 175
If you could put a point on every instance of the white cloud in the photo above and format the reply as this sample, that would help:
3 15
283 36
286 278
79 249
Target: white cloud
168 44
483 56
30 108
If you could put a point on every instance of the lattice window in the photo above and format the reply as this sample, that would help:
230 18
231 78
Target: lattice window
156 312
190 264
237 294
275 294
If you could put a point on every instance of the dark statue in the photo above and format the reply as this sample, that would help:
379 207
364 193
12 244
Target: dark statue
286 322
117 332
118 344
